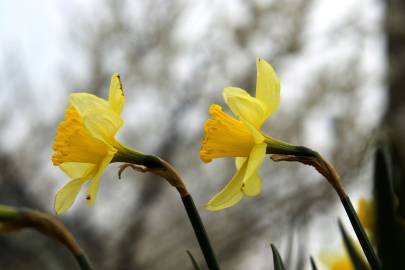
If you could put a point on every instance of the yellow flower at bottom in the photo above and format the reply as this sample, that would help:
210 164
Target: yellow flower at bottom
241 138
84 144
339 263
366 213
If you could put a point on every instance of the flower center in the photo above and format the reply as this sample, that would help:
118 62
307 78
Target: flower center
73 143
225 136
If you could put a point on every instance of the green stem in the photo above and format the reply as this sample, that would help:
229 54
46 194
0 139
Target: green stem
158 166
307 156
83 262
361 234
275 146
200 232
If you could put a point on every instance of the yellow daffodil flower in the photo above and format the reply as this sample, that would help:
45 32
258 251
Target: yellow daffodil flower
334 261
84 144
241 137
366 213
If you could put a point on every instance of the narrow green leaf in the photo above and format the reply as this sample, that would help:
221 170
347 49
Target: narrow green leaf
313 264
390 235
361 234
193 261
355 257
278 262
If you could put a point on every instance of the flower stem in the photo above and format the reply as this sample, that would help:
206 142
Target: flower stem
329 172
83 262
158 166
200 232
360 233
15 219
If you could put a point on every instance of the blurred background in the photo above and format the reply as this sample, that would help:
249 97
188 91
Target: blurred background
340 66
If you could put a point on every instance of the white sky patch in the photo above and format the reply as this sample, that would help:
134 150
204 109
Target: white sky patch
193 25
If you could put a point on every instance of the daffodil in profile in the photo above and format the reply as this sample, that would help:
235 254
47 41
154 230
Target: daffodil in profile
85 142
241 137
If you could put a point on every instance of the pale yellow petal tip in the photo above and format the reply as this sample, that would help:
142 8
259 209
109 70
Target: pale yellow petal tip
116 83
58 211
211 207
60 206
116 97
261 63
219 202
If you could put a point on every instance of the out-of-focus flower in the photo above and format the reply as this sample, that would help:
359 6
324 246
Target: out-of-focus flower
366 213
336 261
242 138
84 144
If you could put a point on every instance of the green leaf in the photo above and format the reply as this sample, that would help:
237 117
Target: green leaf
278 262
355 257
390 234
193 261
313 264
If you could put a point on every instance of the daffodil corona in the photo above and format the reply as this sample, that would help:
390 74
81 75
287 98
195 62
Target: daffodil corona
241 137
84 144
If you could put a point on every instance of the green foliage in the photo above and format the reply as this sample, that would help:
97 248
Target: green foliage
355 257
278 262
193 261
388 183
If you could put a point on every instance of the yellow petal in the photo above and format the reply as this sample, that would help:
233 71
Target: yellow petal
77 169
239 162
256 158
246 107
252 185
230 194
85 103
258 137
116 97
95 183
103 125
67 194
251 181
267 86
99 119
